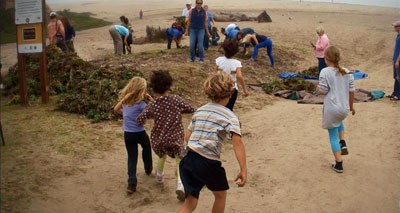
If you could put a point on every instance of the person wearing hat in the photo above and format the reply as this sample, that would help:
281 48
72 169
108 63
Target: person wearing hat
55 28
188 7
395 96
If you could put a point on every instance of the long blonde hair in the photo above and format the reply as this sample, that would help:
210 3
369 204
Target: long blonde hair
332 54
133 92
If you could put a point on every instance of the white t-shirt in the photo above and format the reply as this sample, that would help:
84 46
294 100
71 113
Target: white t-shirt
336 101
229 66
185 12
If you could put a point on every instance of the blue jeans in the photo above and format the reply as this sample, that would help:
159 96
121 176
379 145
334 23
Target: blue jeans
196 35
321 64
268 44
396 76
214 42
334 137
169 37
206 41
132 139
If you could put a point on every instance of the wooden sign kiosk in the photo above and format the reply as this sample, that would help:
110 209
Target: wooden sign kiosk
29 18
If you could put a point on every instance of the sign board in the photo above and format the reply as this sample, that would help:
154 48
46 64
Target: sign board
29 38
28 11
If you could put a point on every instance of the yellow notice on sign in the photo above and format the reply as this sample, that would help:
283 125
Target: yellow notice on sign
29 37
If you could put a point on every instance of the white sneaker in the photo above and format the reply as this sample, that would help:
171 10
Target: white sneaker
180 191
159 177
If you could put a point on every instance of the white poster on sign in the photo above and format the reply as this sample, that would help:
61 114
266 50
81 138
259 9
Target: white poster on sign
30 48
28 11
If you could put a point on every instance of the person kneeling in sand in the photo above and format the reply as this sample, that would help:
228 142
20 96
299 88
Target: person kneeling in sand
202 166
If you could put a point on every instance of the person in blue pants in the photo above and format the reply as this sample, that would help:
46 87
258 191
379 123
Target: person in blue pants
210 18
175 33
215 36
261 41
196 27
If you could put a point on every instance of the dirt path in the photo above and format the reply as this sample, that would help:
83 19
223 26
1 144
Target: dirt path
288 157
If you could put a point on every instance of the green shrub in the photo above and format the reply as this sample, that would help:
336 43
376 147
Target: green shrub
80 86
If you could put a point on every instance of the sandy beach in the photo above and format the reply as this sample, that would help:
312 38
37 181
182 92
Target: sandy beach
288 153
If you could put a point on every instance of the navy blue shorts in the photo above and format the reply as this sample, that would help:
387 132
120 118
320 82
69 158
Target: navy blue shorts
197 171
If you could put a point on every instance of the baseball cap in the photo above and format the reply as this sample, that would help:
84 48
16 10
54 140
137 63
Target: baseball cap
188 2
52 14
396 24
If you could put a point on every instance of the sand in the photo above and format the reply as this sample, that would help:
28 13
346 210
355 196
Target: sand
288 153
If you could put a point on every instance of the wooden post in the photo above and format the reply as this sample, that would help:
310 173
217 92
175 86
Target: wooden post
44 85
23 92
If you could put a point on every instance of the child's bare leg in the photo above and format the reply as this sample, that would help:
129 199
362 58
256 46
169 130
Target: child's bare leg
338 156
220 200
189 205
341 135
178 160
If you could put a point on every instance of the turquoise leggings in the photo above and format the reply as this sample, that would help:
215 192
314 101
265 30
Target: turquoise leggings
334 137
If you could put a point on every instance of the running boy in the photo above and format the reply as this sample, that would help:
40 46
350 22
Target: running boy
202 166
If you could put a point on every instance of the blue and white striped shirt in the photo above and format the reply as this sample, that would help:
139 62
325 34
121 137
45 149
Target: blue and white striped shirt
210 124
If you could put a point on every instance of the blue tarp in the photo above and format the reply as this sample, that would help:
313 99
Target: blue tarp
357 75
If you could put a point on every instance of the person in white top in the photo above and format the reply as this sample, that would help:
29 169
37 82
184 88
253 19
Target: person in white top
185 11
232 67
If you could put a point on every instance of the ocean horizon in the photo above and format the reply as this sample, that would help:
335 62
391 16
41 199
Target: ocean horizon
379 3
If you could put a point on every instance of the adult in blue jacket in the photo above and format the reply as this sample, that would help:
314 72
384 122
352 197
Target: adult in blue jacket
196 27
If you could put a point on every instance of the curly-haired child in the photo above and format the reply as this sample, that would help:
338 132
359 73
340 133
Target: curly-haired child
167 135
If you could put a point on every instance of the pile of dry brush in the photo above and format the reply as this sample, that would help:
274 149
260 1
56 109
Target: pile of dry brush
79 86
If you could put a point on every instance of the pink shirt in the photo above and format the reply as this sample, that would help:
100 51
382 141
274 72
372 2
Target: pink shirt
321 45
51 30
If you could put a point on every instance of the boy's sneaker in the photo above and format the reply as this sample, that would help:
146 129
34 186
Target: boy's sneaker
201 62
159 177
148 173
343 147
131 188
180 191
337 167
